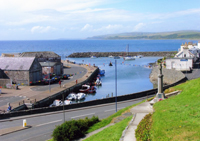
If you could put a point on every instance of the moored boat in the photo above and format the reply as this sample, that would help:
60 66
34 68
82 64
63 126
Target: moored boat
129 58
101 72
80 96
71 96
92 89
56 103
84 88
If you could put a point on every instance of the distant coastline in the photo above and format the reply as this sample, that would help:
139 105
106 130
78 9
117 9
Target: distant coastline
187 34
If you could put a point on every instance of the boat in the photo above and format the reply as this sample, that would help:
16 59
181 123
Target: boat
80 96
71 96
56 103
98 82
84 88
92 89
126 58
93 57
110 56
116 57
110 64
67 102
101 72
129 58
139 56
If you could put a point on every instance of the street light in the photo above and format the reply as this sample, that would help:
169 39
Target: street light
116 84
49 77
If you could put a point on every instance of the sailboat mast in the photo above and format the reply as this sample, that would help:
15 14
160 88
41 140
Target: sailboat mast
127 50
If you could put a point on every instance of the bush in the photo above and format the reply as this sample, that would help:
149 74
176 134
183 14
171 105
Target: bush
73 129
143 129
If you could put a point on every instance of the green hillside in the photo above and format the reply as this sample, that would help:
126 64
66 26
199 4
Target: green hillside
150 35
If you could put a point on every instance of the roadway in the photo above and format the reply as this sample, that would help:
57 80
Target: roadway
44 124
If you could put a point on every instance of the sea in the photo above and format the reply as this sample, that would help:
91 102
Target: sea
132 76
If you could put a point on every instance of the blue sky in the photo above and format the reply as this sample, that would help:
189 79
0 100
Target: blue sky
79 19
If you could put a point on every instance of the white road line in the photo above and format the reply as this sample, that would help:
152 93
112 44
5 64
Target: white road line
48 123
84 115
113 109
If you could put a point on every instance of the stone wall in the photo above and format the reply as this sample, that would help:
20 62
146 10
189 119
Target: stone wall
106 54
170 76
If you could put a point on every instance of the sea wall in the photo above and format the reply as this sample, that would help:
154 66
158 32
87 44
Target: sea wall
106 54
170 76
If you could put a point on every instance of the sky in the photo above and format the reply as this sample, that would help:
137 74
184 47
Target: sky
79 19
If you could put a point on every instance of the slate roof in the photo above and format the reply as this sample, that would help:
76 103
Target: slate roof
41 54
16 63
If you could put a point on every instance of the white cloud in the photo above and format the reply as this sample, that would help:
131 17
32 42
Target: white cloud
41 29
139 26
87 27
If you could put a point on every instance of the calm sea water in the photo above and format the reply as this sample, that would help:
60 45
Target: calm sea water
132 76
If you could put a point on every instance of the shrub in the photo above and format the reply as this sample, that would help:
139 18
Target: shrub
73 129
142 132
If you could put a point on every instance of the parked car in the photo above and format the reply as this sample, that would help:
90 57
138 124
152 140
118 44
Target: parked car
46 81
55 78
65 76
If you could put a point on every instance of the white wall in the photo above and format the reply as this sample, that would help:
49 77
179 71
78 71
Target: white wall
179 64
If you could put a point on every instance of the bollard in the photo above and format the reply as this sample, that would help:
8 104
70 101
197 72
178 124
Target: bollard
24 123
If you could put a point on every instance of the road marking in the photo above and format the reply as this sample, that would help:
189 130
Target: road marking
84 115
48 123
113 109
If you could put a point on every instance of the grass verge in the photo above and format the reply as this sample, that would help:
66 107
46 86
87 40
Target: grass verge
108 120
112 133
177 118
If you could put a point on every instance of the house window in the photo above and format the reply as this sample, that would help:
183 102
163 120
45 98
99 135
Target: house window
184 55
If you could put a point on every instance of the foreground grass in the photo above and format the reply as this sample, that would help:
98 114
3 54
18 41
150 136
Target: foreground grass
178 118
108 120
112 133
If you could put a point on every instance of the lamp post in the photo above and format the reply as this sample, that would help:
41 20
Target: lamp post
49 78
116 85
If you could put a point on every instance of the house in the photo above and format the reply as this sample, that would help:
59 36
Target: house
21 70
184 59
50 61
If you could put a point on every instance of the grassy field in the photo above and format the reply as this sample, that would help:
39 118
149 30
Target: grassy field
112 133
178 118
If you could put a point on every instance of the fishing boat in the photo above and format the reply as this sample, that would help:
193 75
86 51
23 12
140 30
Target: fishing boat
101 72
93 57
92 89
71 96
84 88
80 96
98 82
56 103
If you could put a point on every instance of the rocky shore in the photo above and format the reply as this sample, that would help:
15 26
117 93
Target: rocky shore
106 54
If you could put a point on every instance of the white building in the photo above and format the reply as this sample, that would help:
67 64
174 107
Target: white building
184 59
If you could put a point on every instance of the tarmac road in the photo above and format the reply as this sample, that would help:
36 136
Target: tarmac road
44 124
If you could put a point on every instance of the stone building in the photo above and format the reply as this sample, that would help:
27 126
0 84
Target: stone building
21 70
50 61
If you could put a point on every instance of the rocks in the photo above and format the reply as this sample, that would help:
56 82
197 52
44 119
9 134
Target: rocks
106 54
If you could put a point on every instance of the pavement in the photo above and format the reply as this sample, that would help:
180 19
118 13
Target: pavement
27 94
13 129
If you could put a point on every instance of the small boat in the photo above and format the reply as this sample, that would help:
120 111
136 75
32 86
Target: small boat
129 58
80 96
56 103
84 88
71 96
138 56
116 57
98 82
92 89
102 72
110 56
93 57
67 102
110 64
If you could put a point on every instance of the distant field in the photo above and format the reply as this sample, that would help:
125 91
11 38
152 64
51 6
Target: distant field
151 35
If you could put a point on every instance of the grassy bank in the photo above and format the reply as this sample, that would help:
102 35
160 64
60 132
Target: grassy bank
112 133
178 118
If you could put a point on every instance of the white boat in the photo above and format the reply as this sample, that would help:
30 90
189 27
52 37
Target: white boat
84 88
93 57
129 58
56 103
110 56
67 102
80 96
139 56
71 96
98 82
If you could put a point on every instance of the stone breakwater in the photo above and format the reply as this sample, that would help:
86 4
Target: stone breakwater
106 54
170 76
